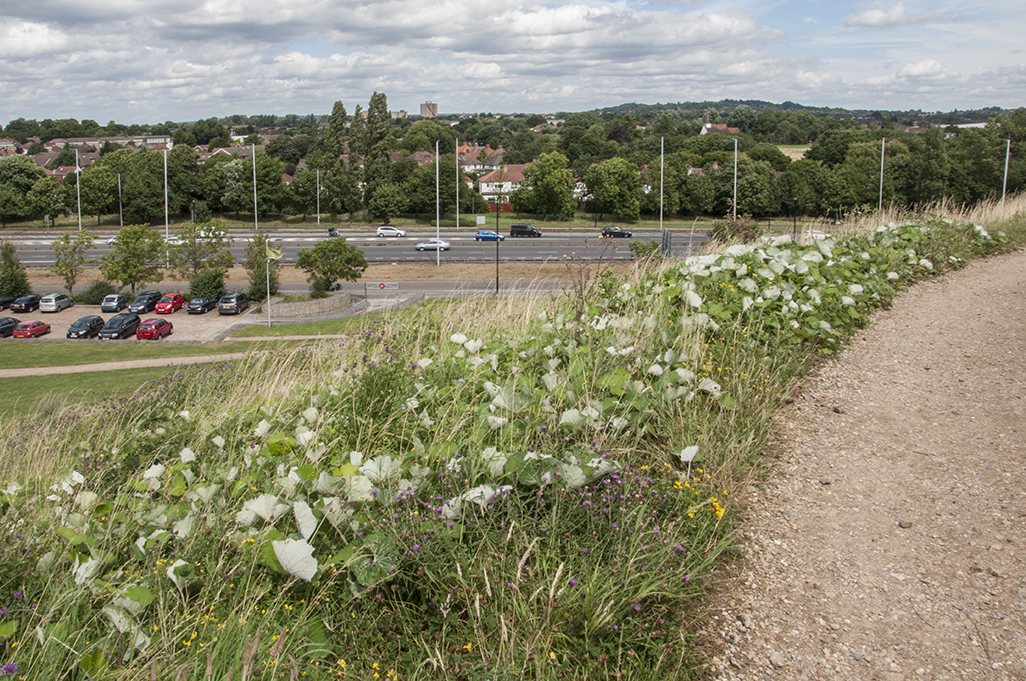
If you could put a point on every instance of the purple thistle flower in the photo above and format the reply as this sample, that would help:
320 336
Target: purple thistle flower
19 596
9 669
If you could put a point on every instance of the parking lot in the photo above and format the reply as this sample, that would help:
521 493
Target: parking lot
187 327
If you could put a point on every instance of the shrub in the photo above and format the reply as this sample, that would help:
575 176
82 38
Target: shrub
207 283
95 294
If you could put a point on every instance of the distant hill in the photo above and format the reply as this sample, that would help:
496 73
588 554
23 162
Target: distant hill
686 110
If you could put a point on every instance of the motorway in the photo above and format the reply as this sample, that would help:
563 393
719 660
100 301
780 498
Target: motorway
37 250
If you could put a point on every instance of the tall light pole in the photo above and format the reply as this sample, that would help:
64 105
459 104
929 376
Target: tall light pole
662 166
318 196
167 222
438 210
735 178
883 151
121 210
78 189
256 224
1004 185
456 155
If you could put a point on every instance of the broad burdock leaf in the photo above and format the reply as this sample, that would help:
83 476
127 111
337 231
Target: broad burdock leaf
687 455
262 428
692 299
573 418
846 300
382 469
710 386
172 573
183 528
473 346
187 455
265 506
360 489
306 521
310 415
460 338
655 370
152 476
85 571
496 422
296 558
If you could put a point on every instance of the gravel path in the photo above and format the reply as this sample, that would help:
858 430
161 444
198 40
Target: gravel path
888 542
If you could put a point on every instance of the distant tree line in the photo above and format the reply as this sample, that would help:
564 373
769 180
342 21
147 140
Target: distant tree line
614 154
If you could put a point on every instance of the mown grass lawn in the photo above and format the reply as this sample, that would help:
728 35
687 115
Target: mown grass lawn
17 355
21 396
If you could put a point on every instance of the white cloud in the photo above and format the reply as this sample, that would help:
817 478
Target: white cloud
895 16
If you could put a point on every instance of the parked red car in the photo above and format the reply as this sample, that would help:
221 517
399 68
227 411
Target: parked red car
169 303
31 329
154 329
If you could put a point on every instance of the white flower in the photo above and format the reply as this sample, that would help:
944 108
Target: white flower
184 415
655 370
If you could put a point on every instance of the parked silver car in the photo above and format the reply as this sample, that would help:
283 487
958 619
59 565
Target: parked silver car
55 302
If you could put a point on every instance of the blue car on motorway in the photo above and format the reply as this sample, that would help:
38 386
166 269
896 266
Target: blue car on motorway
489 235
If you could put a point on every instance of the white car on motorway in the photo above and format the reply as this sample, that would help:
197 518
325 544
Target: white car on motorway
389 230
433 245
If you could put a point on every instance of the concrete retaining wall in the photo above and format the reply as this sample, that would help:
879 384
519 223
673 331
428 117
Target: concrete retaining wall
334 304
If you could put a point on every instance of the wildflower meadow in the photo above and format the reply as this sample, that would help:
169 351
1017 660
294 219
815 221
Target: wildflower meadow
489 489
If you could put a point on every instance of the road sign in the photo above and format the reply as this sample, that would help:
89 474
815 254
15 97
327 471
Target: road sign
381 286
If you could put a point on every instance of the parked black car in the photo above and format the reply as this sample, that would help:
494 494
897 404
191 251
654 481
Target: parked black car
86 327
5 302
612 231
524 230
120 326
233 303
145 302
25 304
7 325
201 304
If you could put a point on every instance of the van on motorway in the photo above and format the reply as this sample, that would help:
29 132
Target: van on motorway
524 230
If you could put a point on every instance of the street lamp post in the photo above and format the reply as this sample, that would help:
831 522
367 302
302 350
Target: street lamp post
1004 185
883 150
735 178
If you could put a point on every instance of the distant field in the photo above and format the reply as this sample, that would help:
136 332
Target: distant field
794 151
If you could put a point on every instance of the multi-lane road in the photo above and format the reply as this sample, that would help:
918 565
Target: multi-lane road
37 250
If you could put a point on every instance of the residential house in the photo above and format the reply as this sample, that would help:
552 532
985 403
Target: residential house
477 159
500 183
711 128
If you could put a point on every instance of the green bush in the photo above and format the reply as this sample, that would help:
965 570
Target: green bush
207 283
95 294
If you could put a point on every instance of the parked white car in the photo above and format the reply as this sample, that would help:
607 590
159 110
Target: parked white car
55 302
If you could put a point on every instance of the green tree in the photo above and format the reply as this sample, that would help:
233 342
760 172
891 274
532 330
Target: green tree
375 145
263 272
615 187
136 257
13 277
209 282
18 174
99 189
238 184
69 256
202 246
388 201
47 198
340 186
551 185
329 262
300 195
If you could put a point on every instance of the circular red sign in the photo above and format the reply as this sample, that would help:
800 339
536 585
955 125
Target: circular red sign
381 285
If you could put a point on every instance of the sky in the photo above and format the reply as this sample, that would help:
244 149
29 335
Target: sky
148 61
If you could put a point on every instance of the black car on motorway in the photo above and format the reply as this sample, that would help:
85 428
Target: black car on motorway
201 304
25 304
7 325
145 302
86 327
612 231
120 326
